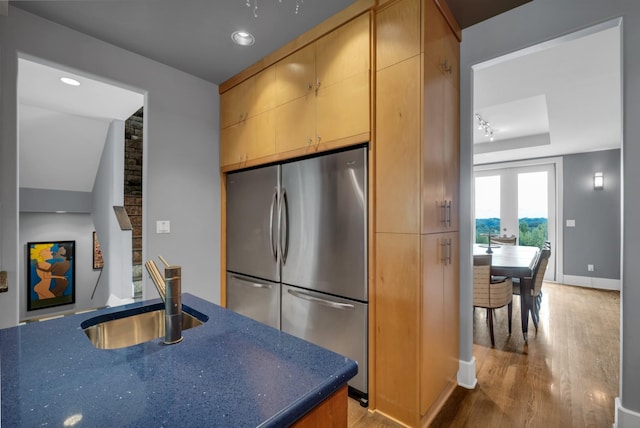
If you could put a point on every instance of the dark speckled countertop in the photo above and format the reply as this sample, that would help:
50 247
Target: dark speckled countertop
229 372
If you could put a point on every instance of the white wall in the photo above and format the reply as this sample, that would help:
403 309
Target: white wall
108 191
182 182
527 25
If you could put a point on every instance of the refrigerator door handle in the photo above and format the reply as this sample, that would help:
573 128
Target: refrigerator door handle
274 249
325 302
251 283
284 249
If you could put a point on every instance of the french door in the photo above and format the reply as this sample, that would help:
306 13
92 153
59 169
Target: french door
517 201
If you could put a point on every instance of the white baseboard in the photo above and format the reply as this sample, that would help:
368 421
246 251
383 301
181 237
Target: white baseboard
467 373
590 282
625 418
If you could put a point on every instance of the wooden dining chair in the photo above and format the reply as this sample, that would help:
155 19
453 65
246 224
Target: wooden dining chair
489 294
504 240
534 282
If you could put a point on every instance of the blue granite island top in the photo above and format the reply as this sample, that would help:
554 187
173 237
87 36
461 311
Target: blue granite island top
229 372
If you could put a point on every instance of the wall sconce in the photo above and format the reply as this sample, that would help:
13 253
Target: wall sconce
598 181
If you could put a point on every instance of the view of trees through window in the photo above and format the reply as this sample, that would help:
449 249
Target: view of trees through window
532 231
529 197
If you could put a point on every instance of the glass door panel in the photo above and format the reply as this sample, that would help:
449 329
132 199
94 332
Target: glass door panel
517 201
487 207
533 209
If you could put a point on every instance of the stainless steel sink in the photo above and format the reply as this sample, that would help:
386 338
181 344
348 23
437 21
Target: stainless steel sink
133 327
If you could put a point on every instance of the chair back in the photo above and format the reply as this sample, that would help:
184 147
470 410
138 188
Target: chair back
539 271
485 293
481 280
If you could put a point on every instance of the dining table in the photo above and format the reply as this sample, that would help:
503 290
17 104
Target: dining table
515 261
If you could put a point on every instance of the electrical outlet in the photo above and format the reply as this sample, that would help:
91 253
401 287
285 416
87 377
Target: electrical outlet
590 268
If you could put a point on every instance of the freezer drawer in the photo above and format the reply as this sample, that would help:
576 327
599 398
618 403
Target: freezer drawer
254 298
331 322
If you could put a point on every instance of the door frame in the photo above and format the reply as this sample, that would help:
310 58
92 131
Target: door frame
557 211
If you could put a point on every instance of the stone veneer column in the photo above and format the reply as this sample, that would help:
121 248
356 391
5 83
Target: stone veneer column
133 191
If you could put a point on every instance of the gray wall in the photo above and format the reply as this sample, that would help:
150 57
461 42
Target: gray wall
595 239
108 192
182 179
45 200
527 25
38 227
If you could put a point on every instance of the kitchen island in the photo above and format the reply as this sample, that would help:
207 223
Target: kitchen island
230 371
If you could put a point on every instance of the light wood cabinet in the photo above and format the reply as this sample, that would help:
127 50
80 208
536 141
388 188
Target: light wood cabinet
439 316
296 75
441 117
397 33
249 98
416 149
246 119
398 147
249 139
397 325
323 90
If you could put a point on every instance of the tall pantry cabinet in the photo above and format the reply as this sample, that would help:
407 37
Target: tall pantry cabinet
384 72
416 229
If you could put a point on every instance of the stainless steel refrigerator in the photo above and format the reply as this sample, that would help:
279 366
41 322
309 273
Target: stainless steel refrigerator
297 250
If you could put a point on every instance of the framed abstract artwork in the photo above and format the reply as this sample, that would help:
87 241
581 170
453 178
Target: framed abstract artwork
50 274
98 263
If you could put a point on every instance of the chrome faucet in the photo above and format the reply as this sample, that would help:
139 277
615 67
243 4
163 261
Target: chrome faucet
170 290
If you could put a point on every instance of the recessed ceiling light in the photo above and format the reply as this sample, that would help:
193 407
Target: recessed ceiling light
242 38
70 81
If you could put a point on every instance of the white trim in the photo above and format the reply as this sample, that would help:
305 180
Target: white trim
590 282
467 373
625 418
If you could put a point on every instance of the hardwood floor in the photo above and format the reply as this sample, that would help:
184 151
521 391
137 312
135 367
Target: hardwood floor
567 376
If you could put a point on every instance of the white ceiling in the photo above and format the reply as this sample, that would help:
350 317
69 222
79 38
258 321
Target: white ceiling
558 98
62 128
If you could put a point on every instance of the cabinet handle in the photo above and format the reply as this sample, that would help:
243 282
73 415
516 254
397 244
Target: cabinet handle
443 251
449 250
443 213
309 86
446 67
448 213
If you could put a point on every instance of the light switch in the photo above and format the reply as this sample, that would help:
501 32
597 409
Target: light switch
571 223
163 226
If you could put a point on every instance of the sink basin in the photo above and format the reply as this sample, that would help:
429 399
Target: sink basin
134 326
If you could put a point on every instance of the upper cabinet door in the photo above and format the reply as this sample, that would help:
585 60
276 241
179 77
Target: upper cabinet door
397 33
264 97
441 123
295 75
249 98
343 52
236 102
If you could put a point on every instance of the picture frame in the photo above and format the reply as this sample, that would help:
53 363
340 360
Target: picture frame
98 262
50 274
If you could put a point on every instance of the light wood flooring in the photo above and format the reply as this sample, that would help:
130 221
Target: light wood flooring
567 376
